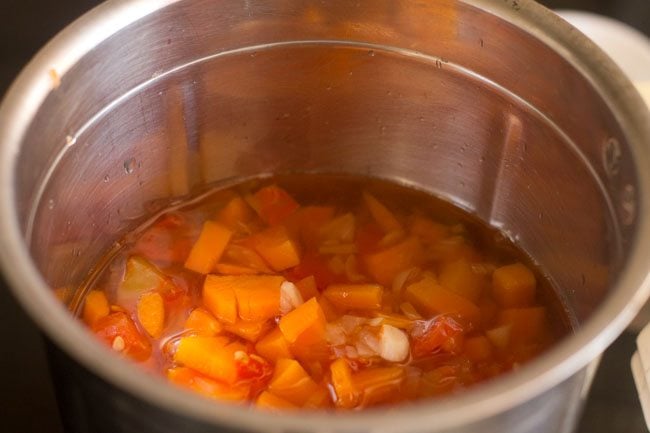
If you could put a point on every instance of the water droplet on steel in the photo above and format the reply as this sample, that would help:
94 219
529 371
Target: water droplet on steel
129 165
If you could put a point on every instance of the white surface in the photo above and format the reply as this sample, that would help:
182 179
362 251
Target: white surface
629 48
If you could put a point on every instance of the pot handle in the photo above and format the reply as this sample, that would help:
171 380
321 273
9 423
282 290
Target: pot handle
641 371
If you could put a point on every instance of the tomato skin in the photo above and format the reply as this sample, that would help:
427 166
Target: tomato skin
316 266
442 333
167 241
274 204
135 345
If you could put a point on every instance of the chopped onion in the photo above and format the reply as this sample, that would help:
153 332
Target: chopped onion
393 344
290 297
351 323
334 334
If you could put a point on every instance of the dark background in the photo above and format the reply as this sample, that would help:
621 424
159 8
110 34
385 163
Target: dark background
27 403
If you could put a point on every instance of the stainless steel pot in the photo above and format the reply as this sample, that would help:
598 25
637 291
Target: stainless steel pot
498 106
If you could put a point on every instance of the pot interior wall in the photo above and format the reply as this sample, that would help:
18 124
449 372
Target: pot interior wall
436 94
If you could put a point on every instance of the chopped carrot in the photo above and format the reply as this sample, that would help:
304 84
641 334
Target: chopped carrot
273 346
427 231
386 264
203 323
378 384
250 331
212 356
478 348
120 333
527 324
307 287
151 313
499 337
269 401
256 297
308 317
458 277
341 375
229 269
209 247
141 276
355 296
514 286
220 299
95 307
197 382
312 218
430 298
241 255
276 247
329 310
291 382
235 213
384 218
339 230
273 204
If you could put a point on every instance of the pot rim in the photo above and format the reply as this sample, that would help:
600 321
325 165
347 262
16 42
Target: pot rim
566 359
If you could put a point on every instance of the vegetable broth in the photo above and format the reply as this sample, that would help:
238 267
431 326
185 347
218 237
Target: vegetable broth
322 292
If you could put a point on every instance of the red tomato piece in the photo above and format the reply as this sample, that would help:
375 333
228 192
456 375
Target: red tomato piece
120 333
442 333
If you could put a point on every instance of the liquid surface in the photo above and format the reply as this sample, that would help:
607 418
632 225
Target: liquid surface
322 292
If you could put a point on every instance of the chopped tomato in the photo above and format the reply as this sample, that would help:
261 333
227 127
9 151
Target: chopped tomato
441 333
119 332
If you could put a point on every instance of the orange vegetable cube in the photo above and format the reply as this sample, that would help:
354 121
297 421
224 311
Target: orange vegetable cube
276 247
195 381
246 257
258 296
291 382
386 264
339 230
384 217
254 297
312 218
119 332
429 297
212 356
203 323
273 346
499 337
207 250
478 349
458 277
234 213
329 310
355 296
250 331
220 299
95 307
527 324
346 395
151 313
273 204
229 269
269 401
307 288
427 231
514 286
378 384
307 317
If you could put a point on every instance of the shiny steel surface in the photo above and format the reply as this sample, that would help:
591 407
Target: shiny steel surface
498 106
